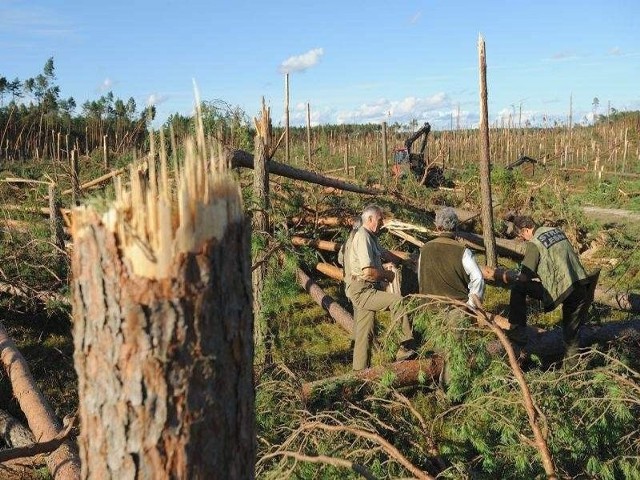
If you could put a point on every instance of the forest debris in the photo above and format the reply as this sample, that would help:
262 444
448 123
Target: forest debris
63 463
404 373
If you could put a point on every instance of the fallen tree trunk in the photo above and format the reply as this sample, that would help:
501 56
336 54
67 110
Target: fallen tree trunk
546 344
624 301
335 310
324 221
98 181
506 247
315 243
404 373
240 158
330 271
329 246
64 462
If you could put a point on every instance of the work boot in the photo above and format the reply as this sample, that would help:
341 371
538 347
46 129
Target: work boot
405 353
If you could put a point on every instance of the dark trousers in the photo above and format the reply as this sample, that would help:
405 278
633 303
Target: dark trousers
574 312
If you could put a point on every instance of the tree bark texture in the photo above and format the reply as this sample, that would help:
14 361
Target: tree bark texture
260 224
335 310
485 172
240 158
163 332
63 463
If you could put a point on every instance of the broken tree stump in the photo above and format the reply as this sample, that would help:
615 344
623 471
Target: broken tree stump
163 327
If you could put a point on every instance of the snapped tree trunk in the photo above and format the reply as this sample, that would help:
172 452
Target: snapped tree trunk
163 328
485 172
260 224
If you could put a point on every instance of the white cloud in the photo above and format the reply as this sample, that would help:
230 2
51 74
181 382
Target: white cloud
615 51
156 99
106 85
300 63
415 18
401 111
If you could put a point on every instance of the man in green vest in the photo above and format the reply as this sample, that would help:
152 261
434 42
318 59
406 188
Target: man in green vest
446 267
364 279
551 272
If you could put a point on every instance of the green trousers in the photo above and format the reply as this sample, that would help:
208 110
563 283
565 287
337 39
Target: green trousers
367 300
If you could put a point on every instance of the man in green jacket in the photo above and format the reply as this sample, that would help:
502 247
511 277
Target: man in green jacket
551 272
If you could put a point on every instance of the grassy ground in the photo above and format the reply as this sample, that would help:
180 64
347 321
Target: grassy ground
311 346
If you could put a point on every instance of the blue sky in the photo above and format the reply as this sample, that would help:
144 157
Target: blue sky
353 62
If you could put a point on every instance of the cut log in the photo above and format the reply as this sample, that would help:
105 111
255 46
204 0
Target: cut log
546 344
163 327
506 247
333 308
405 373
315 243
240 158
324 221
329 246
330 271
63 463
624 301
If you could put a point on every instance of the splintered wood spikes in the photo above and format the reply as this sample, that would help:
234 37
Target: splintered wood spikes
153 221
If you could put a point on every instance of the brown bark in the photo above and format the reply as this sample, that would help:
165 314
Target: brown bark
625 301
240 158
513 249
485 161
315 243
13 433
330 271
339 314
63 463
329 246
344 386
260 224
163 329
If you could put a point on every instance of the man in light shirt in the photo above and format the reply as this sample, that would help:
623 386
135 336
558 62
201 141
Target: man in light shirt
364 281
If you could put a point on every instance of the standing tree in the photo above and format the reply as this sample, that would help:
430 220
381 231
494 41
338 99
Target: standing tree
263 140
485 161
163 328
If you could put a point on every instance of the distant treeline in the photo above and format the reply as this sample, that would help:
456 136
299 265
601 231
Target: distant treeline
36 122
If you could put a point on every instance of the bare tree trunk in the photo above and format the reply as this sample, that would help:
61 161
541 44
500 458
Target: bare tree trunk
75 179
63 463
163 328
260 224
287 138
385 162
56 224
485 172
309 135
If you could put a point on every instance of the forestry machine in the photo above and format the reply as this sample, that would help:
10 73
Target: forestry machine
405 161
